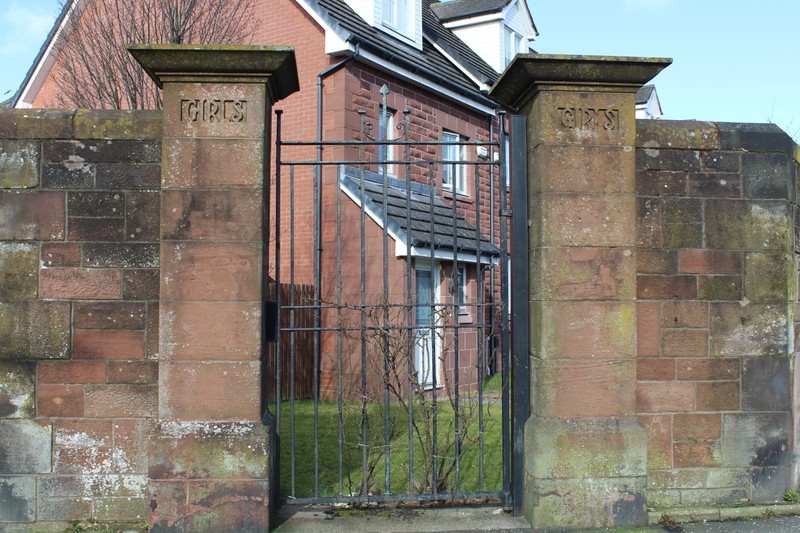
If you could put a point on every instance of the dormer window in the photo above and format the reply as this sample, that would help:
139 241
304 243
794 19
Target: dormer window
398 15
513 45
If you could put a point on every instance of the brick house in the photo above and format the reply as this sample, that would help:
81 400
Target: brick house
435 60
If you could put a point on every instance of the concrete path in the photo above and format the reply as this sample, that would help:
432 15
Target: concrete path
306 519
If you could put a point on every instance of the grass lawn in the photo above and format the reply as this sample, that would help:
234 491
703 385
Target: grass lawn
354 453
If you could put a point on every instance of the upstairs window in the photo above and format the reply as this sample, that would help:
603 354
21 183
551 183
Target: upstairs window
398 15
454 173
513 45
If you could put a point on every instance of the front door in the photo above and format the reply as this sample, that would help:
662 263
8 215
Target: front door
425 351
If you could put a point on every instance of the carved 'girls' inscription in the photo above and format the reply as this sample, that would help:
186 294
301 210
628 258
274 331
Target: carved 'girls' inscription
213 110
589 118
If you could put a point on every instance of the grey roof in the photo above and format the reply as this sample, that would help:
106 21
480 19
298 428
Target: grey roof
428 63
416 203
457 9
644 94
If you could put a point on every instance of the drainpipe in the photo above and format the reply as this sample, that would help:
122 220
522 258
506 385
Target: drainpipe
318 213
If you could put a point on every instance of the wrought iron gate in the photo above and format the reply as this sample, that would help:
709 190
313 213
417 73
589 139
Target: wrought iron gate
389 377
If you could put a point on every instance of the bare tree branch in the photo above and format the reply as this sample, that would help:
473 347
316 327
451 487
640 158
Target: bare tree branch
94 69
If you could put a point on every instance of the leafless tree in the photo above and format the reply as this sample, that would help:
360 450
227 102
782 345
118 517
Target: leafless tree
96 71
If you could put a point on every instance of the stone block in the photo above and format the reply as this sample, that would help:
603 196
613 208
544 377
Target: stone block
682 235
130 449
650 261
74 173
80 283
677 134
64 509
121 255
572 117
100 485
142 216
203 390
741 329
766 384
583 169
152 333
94 344
769 176
210 451
17 381
718 396
754 138
758 440
133 372
120 509
684 314
211 330
648 332
121 401
713 288
96 229
19 163
34 329
95 204
665 397
581 503
655 369
719 161
213 163
228 215
769 277
713 496
83 433
708 369
32 216
117 124
109 315
649 287
586 448
659 445
661 183
584 388
128 177
684 343
696 427
36 124
649 223
752 225
140 284
18 498
585 330
667 159
695 454
59 400
61 254
584 274
19 268
588 220
210 271
715 184
710 262
769 484
63 372
25 447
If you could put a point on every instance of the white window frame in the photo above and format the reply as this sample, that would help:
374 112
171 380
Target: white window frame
399 16
512 45
460 288
454 171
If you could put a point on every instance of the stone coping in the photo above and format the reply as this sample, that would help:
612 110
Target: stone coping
80 124
717 514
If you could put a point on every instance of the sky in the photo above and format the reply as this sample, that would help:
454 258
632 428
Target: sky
733 60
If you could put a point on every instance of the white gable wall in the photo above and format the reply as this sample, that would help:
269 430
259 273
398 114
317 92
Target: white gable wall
486 39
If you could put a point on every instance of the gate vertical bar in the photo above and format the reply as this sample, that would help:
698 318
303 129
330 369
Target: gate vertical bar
520 308
504 335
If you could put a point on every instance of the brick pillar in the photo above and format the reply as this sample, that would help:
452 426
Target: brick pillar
209 457
585 451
